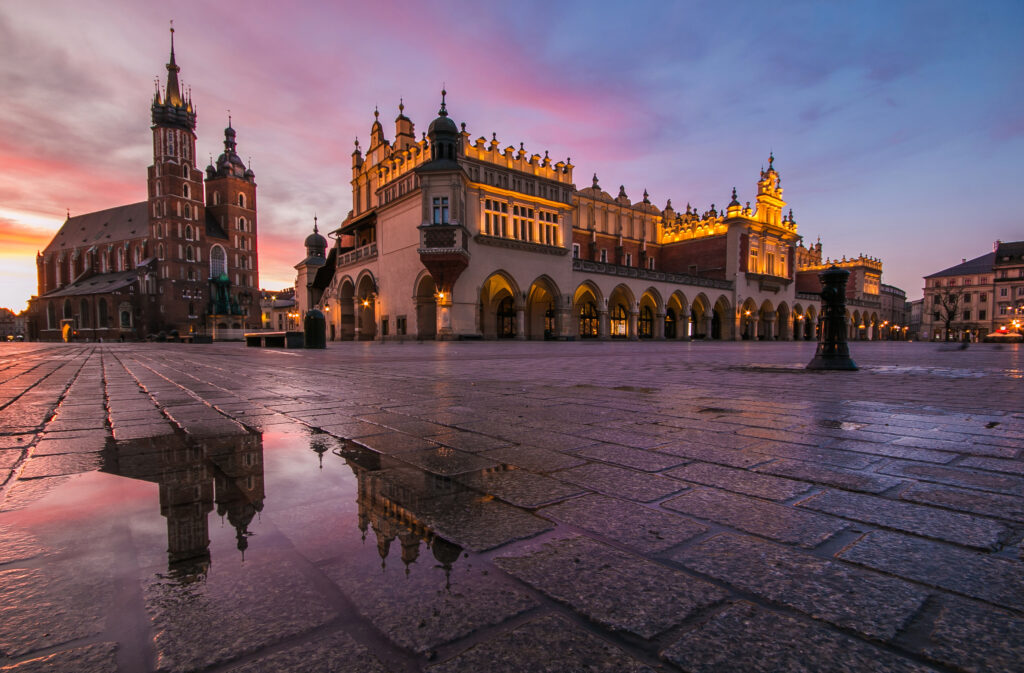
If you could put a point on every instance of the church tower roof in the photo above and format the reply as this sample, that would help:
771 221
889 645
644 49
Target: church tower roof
173 109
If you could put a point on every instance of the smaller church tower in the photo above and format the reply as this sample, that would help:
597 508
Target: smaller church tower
231 220
316 257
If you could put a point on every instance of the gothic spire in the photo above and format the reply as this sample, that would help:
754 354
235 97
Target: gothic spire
173 91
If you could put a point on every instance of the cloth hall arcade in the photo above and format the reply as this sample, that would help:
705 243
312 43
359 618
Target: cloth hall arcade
453 237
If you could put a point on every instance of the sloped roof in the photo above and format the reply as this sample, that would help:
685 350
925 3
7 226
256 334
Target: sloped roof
971 267
1014 250
101 284
103 226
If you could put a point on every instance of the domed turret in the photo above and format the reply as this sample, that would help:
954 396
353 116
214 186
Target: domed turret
316 245
443 134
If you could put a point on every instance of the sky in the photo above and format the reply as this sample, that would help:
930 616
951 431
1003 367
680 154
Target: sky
897 127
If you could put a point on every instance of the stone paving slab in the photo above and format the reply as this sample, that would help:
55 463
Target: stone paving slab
962 529
988 578
967 500
431 606
336 652
548 644
199 624
641 528
819 474
648 598
777 522
954 476
532 458
521 488
974 637
869 603
95 658
746 639
740 481
621 482
637 459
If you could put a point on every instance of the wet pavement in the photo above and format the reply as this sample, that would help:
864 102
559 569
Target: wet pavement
510 506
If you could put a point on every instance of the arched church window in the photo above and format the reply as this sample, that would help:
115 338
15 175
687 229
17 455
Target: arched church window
241 200
103 319
216 198
184 174
218 261
188 211
241 224
188 232
84 312
67 309
185 191
160 251
190 254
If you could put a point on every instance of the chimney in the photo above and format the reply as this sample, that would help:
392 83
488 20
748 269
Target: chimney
963 260
995 246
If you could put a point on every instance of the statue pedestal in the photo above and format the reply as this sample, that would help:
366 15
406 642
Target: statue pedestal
833 350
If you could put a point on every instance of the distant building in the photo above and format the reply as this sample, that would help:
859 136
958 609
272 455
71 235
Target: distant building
278 312
12 325
980 296
451 237
184 260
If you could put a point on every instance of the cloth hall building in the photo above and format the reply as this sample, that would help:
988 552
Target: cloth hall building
182 261
452 237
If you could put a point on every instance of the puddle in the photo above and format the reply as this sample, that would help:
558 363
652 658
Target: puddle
228 528
943 372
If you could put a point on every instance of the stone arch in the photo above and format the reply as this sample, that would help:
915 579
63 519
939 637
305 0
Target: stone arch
542 302
346 319
651 316
722 319
811 324
767 321
587 309
873 327
501 305
425 298
622 313
784 321
701 313
677 316
749 319
364 307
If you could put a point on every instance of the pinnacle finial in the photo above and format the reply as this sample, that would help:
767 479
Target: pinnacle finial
443 112
401 105
771 160
376 113
316 230
596 186
229 117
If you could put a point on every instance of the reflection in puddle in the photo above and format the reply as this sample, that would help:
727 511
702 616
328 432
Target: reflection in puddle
394 499
192 478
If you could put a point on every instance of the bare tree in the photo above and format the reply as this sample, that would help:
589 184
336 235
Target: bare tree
948 306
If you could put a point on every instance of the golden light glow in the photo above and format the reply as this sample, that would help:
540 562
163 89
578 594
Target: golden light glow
366 303
440 296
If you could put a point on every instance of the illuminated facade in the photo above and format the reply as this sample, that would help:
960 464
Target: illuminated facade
454 237
184 260
982 296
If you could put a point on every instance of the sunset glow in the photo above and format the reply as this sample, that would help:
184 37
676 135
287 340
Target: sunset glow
894 138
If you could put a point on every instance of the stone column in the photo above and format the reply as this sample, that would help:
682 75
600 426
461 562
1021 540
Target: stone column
683 326
707 327
659 326
798 331
634 313
356 311
563 320
602 322
520 322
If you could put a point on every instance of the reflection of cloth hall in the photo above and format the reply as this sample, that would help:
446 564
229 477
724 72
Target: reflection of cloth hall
451 237
391 497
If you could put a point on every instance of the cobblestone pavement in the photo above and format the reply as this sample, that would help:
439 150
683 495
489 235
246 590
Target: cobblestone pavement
510 507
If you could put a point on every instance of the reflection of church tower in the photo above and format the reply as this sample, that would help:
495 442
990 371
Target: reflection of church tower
186 497
238 477
188 476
